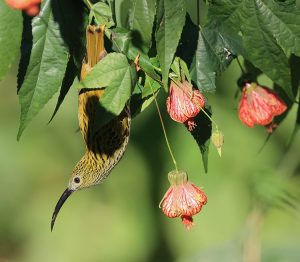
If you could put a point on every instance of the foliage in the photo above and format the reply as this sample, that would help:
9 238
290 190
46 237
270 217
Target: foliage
9 39
265 33
262 33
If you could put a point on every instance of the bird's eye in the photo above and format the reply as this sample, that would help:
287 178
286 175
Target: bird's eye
77 180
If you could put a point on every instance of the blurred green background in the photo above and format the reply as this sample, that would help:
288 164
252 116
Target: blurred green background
119 220
252 196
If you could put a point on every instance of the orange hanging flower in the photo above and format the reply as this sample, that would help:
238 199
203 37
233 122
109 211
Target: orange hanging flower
259 105
31 7
184 103
183 199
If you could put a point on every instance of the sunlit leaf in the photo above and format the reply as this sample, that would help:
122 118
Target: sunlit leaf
270 32
46 68
10 36
118 78
102 12
141 20
123 41
170 21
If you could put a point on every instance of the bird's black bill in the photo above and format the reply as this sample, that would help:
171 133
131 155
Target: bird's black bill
59 204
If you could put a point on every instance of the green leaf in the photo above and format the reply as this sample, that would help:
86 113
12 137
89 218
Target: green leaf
72 19
179 67
117 94
121 12
103 15
215 51
123 41
225 13
283 24
10 36
262 48
226 36
270 32
203 71
175 67
170 21
71 72
46 68
110 70
141 18
150 87
143 97
118 78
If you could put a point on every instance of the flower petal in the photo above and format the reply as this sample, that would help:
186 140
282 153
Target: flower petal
260 109
277 105
22 4
244 111
184 102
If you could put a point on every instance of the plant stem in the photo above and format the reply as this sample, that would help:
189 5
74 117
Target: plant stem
164 130
208 116
156 80
240 65
156 68
88 3
252 241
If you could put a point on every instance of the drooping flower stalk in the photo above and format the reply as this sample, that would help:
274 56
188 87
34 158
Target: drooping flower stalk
164 129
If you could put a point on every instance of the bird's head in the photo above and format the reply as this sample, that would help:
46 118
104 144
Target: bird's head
81 177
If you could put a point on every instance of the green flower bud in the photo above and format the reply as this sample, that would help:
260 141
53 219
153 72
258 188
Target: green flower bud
217 139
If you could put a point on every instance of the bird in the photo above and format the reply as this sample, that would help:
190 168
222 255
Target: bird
104 146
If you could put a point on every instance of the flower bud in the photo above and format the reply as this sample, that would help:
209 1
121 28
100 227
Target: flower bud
217 139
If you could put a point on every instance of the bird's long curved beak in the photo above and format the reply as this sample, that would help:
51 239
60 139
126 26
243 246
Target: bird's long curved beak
59 204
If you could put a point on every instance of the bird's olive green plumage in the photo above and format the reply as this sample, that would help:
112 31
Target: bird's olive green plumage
105 146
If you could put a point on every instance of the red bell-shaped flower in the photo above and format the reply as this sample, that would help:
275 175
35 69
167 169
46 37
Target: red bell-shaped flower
31 7
183 199
259 105
184 103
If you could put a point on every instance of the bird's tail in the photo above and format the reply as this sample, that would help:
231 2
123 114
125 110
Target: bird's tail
95 49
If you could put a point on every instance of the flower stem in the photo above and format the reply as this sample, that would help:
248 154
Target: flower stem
240 66
252 239
88 3
156 68
164 130
208 116
155 79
